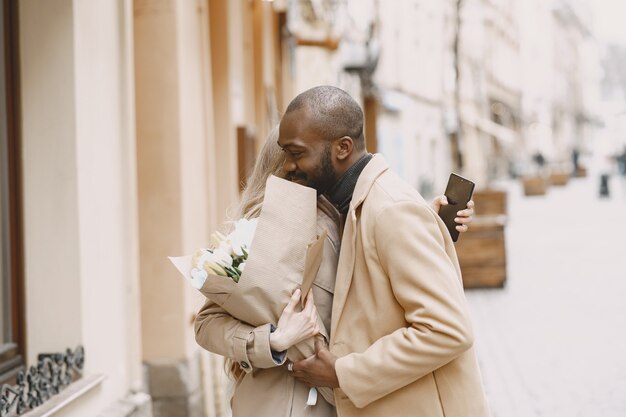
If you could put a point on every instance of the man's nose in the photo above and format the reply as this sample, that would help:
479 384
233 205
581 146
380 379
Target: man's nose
289 165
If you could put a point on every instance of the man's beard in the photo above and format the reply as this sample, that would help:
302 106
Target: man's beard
323 178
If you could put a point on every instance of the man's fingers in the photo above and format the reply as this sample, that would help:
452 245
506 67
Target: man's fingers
469 211
465 213
303 365
438 202
463 220
297 367
462 229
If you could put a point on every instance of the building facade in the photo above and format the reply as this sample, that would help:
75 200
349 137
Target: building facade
410 79
127 129
561 80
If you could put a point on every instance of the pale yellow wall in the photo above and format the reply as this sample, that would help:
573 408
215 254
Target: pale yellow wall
51 230
223 127
108 229
208 179
158 167
241 61
177 169
80 217
131 223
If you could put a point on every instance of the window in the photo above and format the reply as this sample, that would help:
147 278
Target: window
11 302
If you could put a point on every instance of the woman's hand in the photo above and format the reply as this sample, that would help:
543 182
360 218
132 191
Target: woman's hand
464 217
294 327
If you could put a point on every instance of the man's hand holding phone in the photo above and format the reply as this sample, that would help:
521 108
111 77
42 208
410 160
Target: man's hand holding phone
458 197
464 217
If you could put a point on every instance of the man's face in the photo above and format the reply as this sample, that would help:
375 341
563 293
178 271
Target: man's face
308 156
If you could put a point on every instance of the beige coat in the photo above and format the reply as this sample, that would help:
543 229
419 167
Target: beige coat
400 322
266 389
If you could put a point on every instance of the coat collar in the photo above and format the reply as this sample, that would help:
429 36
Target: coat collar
375 167
345 268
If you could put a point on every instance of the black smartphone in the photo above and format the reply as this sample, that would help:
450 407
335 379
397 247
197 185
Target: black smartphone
458 192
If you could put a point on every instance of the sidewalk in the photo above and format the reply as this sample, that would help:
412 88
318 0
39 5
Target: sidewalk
553 341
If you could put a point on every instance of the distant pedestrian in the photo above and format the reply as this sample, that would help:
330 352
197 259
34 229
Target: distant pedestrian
604 186
621 162
575 159
539 159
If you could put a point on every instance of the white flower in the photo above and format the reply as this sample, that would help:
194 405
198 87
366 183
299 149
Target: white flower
204 256
224 247
217 238
227 251
241 237
198 276
215 268
222 256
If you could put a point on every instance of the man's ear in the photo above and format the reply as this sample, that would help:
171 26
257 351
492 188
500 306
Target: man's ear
345 146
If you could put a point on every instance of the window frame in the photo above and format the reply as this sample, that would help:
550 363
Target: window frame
12 354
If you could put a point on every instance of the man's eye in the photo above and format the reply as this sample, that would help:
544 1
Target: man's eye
293 154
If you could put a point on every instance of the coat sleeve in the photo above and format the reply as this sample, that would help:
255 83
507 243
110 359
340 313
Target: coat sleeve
218 332
411 247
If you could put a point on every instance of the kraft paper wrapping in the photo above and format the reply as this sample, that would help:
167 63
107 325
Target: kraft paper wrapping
285 254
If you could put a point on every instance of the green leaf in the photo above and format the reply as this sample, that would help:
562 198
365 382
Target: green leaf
233 273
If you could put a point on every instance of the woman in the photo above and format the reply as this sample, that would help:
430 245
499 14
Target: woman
255 356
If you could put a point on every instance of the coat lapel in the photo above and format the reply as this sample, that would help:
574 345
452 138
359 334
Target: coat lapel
347 254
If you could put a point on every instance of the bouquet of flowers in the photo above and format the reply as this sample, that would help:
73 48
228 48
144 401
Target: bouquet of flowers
228 256
253 271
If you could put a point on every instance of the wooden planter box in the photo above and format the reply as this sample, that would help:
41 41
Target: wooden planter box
490 202
581 172
534 185
559 178
482 253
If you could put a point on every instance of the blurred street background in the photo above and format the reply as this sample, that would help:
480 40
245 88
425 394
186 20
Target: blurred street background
549 343
128 127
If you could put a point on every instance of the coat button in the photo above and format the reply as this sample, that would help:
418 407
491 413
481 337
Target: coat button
244 365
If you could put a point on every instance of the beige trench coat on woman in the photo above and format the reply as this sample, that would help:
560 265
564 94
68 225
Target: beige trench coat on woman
266 388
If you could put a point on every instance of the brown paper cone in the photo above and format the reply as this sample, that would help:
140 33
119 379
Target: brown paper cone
285 249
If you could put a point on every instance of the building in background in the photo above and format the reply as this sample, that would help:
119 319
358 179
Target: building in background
611 139
561 80
128 127
571 31
487 96
410 84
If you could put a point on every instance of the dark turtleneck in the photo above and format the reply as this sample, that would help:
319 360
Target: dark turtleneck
340 194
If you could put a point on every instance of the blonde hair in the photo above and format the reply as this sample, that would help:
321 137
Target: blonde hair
269 162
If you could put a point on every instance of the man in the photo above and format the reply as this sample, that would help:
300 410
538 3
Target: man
401 340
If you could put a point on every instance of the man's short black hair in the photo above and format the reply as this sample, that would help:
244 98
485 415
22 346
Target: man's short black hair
335 113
